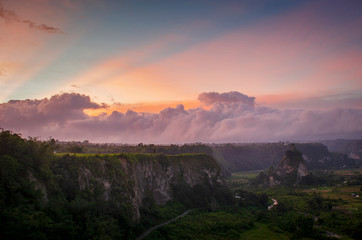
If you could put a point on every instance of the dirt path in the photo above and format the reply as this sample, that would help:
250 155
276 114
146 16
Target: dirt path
162 224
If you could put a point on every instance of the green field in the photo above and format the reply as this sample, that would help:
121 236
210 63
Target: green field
304 212
261 231
344 193
241 179
348 172
87 154
225 224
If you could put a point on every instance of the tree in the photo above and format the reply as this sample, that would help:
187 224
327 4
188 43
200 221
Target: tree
75 149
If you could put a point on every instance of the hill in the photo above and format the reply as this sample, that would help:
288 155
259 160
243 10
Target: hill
290 171
350 147
96 196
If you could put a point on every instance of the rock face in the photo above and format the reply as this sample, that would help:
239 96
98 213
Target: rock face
38 185
290 170
137 179
292 167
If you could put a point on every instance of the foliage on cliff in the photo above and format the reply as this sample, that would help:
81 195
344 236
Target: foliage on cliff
96 196
231 157
290 171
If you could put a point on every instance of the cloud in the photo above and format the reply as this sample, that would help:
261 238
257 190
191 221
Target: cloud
229 119
336 98
228 97
10 16
34 116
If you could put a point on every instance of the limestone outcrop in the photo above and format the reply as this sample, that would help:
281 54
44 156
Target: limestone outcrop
290 170
292 166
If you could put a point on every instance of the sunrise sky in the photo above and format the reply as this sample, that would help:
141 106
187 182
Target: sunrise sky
181 71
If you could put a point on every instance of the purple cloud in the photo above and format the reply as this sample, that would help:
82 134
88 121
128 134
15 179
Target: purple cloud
235 120
11 16
34 116
228 97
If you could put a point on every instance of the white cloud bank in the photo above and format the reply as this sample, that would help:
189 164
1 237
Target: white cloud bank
233 117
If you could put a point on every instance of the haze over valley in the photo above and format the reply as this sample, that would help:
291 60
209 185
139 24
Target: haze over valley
180 119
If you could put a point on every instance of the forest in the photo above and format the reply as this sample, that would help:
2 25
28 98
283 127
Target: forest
49 193
236 157
97 196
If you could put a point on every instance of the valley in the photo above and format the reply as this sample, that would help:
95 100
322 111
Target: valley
180 120
145 192
318 212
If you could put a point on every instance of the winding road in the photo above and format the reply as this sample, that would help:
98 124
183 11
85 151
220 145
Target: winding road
162 224
275 202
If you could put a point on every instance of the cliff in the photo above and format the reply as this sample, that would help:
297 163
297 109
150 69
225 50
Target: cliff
97 196
132 179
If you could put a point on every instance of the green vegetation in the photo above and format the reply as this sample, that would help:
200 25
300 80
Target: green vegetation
84 195
262 231
302 212
230 157
94 196
67 147
40 199
223 224
241 179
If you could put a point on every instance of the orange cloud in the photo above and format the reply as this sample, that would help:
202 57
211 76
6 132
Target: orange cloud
62 117
145 107
322 100
25 52
10 16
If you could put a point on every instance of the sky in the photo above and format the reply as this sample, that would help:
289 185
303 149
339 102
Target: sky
181 71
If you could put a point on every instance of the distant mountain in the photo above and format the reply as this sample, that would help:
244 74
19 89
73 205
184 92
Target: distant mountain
256 156
352 148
